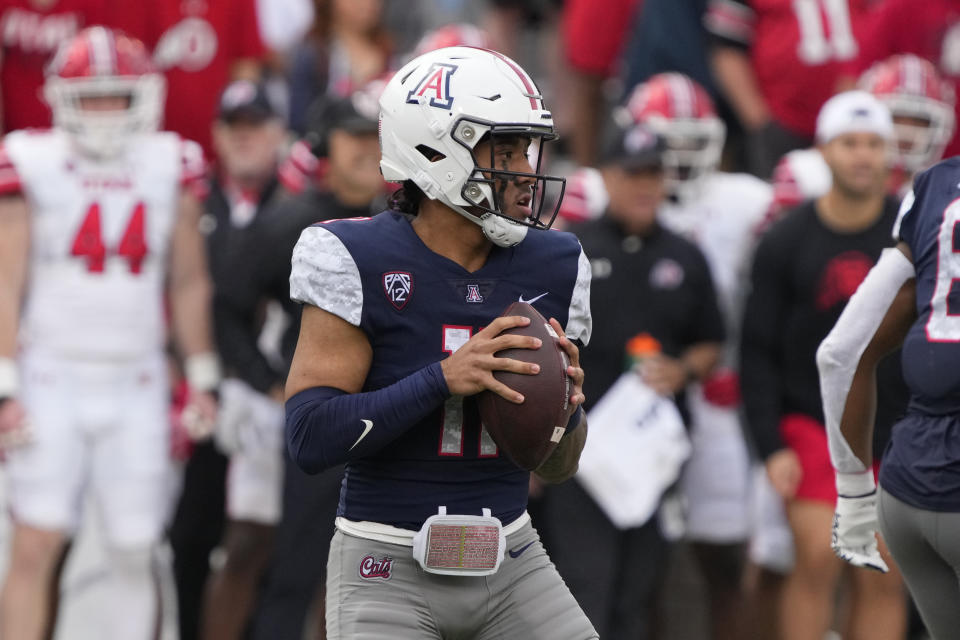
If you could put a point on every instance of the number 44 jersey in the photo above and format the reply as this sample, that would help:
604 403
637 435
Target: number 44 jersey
928 223
100 234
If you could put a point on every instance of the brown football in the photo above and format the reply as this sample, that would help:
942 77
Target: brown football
529 432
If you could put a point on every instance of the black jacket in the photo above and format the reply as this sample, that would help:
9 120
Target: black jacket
282 224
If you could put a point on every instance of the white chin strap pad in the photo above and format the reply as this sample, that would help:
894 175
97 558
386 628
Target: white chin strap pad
499 230
502 232
839 354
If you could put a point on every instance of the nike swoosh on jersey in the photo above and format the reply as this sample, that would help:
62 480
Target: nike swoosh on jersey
532 300
369 426
515 553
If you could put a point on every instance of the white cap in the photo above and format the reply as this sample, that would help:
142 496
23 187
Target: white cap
853 112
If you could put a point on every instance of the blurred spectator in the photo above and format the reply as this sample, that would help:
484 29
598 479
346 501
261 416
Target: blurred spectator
667 35
284 22
505 20
922 106
247 135
720 212
200 45
646 279
453 35
344 132
593 34
671 36
805 269
930 30
32 30
777 62
348 46
303 168
125 242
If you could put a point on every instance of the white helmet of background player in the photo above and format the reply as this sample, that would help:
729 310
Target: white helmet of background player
801 175
681 111
433 113
921 104
96 63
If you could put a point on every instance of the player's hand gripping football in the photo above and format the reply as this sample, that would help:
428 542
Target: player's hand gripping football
470 368
855 522
14 425
573 371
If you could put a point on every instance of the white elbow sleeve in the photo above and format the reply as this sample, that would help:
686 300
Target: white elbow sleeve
839 354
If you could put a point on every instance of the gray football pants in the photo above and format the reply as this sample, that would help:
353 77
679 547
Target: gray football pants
926 546
525 599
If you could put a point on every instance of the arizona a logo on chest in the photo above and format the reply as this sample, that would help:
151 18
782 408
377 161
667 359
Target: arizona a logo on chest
398 287
473 293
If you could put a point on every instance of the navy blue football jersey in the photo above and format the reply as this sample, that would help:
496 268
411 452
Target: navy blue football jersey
927 222
416 307
921 465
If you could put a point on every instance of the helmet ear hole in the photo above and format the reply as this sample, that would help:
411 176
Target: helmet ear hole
430 153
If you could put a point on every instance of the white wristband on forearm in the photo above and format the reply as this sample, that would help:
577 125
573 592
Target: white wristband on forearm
202 371
9 378
856 485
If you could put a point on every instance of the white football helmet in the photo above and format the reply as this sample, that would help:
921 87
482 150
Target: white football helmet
438 107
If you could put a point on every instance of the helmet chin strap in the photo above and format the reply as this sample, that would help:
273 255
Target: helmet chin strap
497 229
502 232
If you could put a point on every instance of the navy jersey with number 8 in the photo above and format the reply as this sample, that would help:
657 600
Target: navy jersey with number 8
921 465
929 222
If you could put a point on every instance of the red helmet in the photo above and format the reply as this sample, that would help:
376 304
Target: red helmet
460 34
921 104
681 111
585 197
101 63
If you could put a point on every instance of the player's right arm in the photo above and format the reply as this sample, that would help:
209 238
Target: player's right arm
330 352
329 419
14 252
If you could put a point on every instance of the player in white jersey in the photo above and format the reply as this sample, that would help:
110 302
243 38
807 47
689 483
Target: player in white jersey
98 221
721 213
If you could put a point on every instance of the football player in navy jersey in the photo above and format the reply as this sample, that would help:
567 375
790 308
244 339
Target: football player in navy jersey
399 329
908 298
